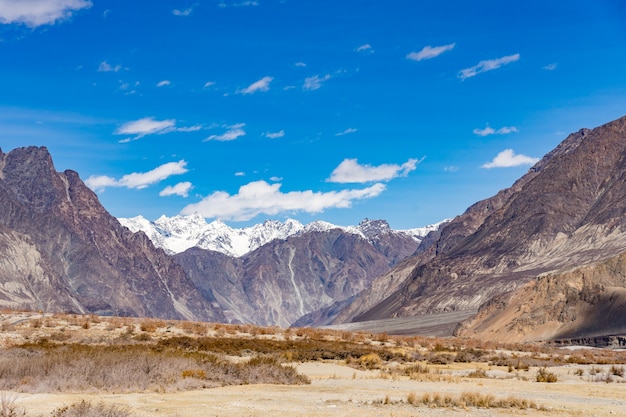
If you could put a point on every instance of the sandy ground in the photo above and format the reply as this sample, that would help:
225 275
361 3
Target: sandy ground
338 390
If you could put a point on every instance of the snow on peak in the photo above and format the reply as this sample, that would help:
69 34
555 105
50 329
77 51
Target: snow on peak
179 233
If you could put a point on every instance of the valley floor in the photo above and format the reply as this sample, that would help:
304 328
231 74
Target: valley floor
337 389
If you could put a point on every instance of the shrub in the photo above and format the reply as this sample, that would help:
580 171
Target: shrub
370 361
617 370
478 373
87 409
9 409
543 375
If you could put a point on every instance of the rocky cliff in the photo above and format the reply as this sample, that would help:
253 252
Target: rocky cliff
568 211
62 251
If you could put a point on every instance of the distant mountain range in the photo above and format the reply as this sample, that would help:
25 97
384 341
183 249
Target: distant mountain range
179 233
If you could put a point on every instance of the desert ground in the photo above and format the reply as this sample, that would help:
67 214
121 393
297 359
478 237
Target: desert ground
393 376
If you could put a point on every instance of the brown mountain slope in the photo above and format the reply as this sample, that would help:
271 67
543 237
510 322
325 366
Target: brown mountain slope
567 211
61 250
586 302
286 279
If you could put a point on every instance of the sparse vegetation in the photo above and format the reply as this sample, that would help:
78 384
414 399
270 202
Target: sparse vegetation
543 375
89 354
469 399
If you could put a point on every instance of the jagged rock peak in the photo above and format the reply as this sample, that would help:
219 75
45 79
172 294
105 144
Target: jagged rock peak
373 228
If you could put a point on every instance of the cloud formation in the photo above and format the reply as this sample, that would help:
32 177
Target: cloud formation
137 180
106 67
260 197
350 171
429 52
274 135
365 48
550 67
234 131
33 13
262 85
182 189
183 12
315 82
507 159
346 132
163 83
150 126
488 65
488 130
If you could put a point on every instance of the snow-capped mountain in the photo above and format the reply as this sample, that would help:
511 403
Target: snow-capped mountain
179 233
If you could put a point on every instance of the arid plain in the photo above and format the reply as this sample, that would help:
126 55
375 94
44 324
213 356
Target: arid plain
172 368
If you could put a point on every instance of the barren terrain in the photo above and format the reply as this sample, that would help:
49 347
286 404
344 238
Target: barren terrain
381 376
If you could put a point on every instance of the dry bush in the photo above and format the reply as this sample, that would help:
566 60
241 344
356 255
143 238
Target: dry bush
46 367
469 399
370 361
617 370
543 375
441 358
478 373
87 409
9 409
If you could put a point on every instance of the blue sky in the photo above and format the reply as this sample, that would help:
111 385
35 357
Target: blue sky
408 111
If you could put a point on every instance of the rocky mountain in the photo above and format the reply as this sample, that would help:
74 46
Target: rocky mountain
179 233
62 251
285 279
568 213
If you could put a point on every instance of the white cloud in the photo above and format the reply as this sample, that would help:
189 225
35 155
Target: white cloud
233 132
183 12
488 65
240 174
163 83
346 132
507 159
488 130
106 67
315 82
262 85
137 180
300 64
246 3
550 67
182 189
146 126
150 126
209 84
35 13
350 171
274 135
259 197
429 52
451 168
365 48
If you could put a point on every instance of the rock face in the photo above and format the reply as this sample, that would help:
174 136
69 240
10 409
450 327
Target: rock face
283 280
61 251
568 211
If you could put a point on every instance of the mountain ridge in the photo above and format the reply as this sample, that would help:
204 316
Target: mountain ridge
567 212
179 233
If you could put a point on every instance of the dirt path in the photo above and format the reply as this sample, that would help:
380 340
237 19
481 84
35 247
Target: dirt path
338 390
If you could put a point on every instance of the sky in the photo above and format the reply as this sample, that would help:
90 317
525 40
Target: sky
247 110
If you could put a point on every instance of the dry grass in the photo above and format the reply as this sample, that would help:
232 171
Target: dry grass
469 399
47 367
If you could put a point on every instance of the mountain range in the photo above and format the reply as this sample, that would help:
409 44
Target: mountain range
543 259
179 233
